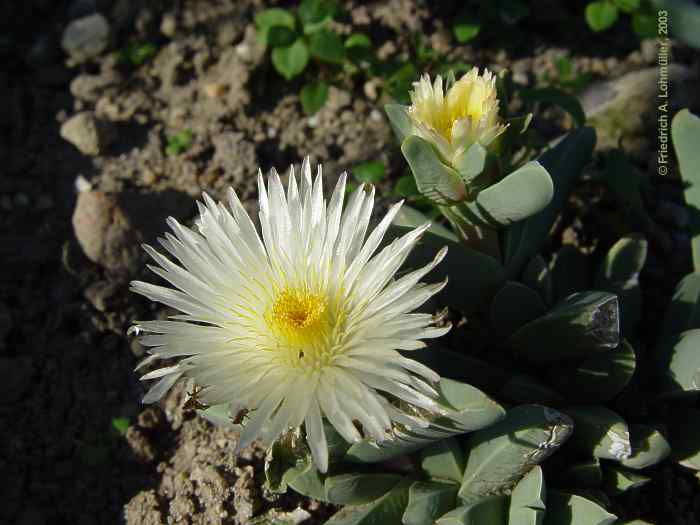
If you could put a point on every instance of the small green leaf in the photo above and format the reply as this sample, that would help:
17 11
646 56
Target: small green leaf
268 18
314 14
372 172
513 306
313 96
120 424
280 36
649 447
291 60
387 509
552 95
466 27
646 26
619 480
601 15
444 460
406 187
628 6
427 501
568 508
500 455
327 46
180 142
358 47
600 432
527 502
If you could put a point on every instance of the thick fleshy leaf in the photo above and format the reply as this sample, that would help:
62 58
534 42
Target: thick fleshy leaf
528 500
387 509
571 272
685 130
619 274
513 306
600 432
524 389
470 164
412 218
467 408
436 181
619 480
444 460
427 501
490 509
681 358
538 277
473 276
684 310
399 120
358 488
499 456
582 325
564 163
521 194
291 60
570 509
649 447
598 378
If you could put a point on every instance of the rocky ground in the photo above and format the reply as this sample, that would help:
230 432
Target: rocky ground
86 178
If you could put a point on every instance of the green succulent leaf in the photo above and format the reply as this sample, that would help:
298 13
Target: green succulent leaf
649 447
412 218
600 432
683 312
327 46
358 488
515 305
599 378
528 500
358 47
575 510
564 163
500 455
372 172
280 36
681 374
473 275
466 409
436 181
580 326
291 60
315 14
490 509
466 27
471 163
427 501
522 388
628 6
399 120
601 15
571 272
685 130
313 96
619 480
443 460
387 509
523 193
538 277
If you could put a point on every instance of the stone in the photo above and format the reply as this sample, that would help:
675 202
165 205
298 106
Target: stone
86 37
90 135
622 109
235 155
91 87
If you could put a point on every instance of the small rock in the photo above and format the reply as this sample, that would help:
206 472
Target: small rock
215 89
168 25
15 378
91 87
87 133
370 89
82 184
235 155
86 37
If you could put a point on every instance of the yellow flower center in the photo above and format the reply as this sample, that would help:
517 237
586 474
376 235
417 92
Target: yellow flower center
300 322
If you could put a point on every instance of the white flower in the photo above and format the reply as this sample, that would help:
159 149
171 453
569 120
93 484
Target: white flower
300 325
467 113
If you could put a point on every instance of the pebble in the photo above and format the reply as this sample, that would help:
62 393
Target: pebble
86 37
86 133
168 25
214 89
82 184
